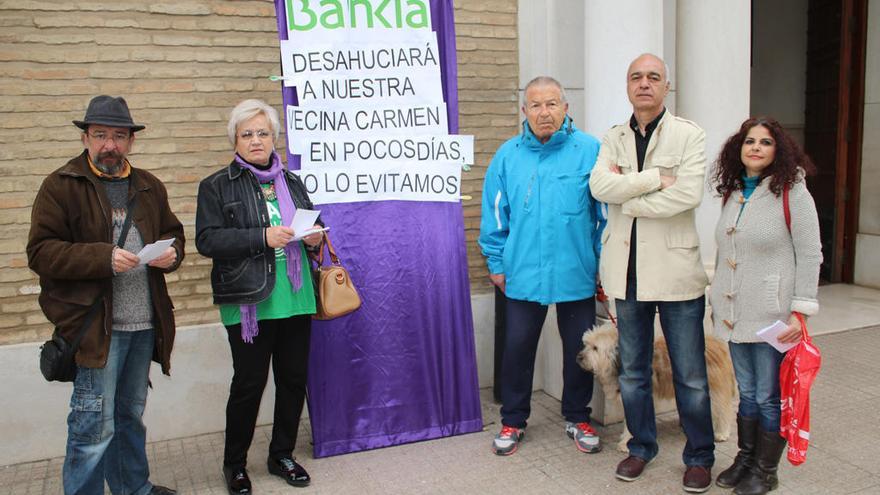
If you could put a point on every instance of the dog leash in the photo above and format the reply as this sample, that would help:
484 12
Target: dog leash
603 298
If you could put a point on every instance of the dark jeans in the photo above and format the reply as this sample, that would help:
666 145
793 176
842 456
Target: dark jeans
756 366
286 343
524 321
682 323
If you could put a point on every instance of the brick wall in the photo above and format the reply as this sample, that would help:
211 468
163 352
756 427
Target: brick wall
182 66
488 79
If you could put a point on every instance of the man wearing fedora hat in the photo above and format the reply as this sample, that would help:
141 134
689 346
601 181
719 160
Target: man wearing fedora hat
92 282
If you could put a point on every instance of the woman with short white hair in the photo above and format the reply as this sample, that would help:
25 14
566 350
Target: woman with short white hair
261 282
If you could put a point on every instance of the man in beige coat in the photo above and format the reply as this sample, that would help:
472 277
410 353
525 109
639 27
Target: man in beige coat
651 172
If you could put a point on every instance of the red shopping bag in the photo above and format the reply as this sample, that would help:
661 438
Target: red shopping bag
799 368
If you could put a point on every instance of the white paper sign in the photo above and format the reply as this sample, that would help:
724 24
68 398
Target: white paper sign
412 87
352 36
771 336
154 250
310 59
310 21
386 181
370 122
315 123
359 150
365 35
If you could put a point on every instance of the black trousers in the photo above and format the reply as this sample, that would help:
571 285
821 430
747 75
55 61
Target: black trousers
524 321
285 343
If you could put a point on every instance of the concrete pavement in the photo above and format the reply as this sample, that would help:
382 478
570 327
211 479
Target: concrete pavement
841 460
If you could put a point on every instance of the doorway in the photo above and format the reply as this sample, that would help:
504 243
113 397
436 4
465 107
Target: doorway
808 70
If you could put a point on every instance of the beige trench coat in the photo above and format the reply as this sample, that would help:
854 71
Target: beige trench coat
669 266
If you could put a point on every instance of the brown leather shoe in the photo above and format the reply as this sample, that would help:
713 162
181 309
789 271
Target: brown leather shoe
630 468
697 479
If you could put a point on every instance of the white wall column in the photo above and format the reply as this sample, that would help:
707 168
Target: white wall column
713 52
867 270
616 32
551 39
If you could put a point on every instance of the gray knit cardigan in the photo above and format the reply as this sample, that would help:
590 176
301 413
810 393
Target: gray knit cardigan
763 273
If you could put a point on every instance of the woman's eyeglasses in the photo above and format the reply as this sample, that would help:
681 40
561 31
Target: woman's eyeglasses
249 134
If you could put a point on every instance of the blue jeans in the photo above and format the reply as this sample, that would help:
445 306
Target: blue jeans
106 438
524 321
756 366
682 323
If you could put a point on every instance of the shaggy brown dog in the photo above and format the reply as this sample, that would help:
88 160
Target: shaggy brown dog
599 356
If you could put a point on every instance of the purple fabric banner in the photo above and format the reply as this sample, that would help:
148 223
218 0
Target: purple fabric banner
403 367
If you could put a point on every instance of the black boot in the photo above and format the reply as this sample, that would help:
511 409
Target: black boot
762 477
746 433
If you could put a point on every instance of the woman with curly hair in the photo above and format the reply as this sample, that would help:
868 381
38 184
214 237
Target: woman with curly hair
766 269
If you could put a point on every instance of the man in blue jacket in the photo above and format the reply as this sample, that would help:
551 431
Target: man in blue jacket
541 234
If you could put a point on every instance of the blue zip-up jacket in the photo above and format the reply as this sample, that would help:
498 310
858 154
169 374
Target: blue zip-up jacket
540 225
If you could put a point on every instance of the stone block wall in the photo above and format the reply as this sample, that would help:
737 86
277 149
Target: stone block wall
488 78
182 66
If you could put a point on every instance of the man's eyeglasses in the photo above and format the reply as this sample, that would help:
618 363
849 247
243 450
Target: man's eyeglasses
248 135
118 137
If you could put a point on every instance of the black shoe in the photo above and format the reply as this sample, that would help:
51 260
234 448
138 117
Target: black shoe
161 490
287 468
237 481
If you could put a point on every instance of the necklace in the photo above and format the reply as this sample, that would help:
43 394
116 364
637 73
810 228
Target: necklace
269 191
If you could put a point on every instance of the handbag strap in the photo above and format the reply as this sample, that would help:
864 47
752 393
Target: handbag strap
86 324
786 209
333 258
93 310
126 225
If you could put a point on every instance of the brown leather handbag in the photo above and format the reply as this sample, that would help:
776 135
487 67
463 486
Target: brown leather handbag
335 294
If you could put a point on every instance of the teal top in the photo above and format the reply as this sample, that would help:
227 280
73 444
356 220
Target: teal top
749 185
283 302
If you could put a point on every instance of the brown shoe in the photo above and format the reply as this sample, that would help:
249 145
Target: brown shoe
697 479
630 468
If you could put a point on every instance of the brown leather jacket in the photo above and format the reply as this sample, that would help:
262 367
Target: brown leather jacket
70 248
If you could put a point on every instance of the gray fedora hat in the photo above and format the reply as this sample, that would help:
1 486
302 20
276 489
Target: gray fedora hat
109 111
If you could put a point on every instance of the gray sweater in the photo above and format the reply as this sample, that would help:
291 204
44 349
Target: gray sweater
763 273
132 305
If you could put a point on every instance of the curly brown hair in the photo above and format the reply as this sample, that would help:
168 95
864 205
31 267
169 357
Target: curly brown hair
783 171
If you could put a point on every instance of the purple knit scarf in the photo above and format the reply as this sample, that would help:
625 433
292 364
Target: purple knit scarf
275 173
